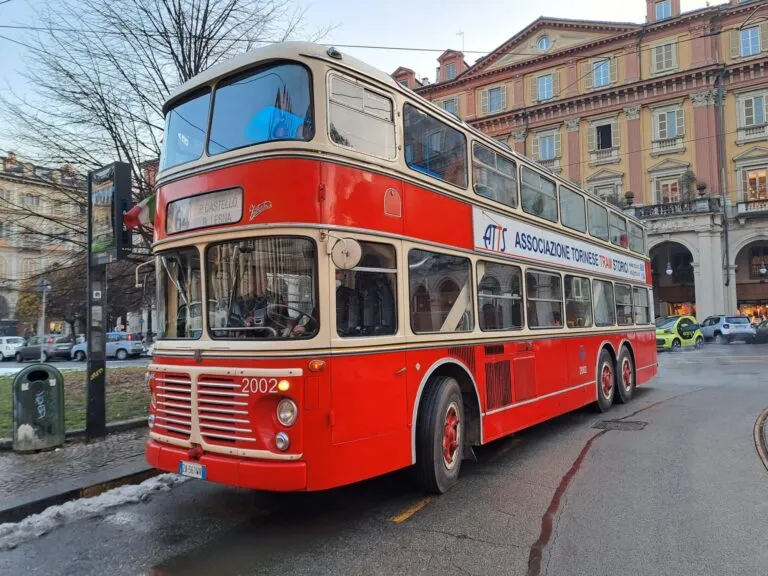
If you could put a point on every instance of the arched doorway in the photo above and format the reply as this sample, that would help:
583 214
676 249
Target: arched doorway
674 287
752 279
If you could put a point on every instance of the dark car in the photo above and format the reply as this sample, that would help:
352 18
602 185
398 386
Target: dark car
53 347
761 332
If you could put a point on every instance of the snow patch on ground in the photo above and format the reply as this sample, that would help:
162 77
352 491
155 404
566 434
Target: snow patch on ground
13 534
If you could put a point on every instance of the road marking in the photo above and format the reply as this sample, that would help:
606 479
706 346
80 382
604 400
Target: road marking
411 510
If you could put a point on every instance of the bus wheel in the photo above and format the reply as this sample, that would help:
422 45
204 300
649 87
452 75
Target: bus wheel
440 434
606 381
627 377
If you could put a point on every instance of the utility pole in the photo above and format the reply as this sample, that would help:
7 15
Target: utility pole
45 286
720 102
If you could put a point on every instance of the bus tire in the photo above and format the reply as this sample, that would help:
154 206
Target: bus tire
606 381
440 436
627 377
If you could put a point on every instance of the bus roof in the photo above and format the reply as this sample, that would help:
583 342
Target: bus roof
280 51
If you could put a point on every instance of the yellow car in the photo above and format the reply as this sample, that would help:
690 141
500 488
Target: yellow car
676 332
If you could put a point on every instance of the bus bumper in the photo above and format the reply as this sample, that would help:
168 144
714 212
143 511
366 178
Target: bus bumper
256 474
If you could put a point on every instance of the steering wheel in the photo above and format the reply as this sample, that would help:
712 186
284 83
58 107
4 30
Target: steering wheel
283 320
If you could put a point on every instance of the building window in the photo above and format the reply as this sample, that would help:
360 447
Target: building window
754 110
601 73
450 71
665 57
604 135
749 41
28 268
544 43
663 10
495 100
361 119
440 292
544 297
668 191
754 184
31 201
547 147
3 232
499 296
403 83
608 193
758 257
669 124
545 88
450 105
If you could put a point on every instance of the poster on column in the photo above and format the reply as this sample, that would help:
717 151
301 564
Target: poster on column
498 234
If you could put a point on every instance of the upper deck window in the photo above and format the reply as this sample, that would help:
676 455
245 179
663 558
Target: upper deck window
434 148
271 103
185 126
361 119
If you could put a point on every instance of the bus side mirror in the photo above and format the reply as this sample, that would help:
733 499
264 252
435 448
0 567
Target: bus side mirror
346 253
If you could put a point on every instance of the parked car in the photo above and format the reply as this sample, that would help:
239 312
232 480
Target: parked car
9 345
726 329
53 346
119 345
761 332
676 332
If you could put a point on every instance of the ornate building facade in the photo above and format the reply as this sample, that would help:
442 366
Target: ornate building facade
668 118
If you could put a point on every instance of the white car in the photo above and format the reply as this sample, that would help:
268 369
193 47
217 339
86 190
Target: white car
9 345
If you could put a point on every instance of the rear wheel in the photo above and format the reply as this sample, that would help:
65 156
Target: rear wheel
626 376
121 354
699 343
2 357
606 381
439 436
718 338
45 356
676 345
80 356
19 358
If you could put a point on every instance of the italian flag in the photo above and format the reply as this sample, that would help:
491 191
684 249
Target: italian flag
143 214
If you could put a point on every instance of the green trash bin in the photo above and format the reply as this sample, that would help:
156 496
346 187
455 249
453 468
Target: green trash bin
38 408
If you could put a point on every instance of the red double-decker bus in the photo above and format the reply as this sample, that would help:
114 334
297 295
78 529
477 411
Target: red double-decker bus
352 281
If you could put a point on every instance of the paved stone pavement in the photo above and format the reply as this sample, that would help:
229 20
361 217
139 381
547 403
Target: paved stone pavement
21 473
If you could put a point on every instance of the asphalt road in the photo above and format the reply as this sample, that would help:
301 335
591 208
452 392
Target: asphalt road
679 491
7 368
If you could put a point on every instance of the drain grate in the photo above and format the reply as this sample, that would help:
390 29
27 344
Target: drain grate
628 425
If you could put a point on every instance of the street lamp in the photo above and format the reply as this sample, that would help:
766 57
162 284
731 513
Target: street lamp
669 270
763 270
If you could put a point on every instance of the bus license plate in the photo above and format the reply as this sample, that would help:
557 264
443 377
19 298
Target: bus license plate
192 470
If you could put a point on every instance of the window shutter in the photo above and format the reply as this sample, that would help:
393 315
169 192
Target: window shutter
615 138
557 144
484 101
735 48
680 116
658 192
591 137
673 55
614 69
503 90
749 113
555 83
661 120
744 185
589 75
535 147
765 108
764 36
534 89
509 94
658 58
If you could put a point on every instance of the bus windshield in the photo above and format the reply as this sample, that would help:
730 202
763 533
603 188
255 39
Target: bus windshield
179 305
262 288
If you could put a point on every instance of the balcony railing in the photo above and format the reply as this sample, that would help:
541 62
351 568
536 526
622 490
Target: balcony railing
748 133
553 165
608 156
682 208
752 207
668 145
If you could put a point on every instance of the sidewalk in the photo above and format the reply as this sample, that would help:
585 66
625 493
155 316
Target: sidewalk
29 483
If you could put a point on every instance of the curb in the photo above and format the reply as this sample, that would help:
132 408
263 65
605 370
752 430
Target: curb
112 427
761 443
131 472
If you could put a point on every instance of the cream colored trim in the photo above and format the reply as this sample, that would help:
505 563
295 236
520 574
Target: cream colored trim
532 400
196 436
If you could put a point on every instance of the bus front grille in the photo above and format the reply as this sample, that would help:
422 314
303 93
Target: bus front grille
173 405
222 410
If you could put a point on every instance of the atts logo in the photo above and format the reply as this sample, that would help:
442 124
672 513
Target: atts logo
495 238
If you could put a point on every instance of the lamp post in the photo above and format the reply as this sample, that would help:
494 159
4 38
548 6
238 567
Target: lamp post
44 286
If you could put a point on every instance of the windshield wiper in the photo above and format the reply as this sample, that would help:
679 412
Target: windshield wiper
175 282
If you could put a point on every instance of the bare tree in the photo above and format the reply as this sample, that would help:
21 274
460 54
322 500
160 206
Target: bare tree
100 71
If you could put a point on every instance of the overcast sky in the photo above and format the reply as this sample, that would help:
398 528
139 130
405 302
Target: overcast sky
428 24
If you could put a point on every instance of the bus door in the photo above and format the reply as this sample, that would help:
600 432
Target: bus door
368 370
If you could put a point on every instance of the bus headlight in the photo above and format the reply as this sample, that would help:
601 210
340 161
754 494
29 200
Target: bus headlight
287 412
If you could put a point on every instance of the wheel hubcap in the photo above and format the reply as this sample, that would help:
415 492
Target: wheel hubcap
607 381
626 374
451 435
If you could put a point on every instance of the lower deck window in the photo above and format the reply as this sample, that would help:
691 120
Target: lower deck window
545 300
366 302
578 302
499 296
602 296
624 315
640 301
440 292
